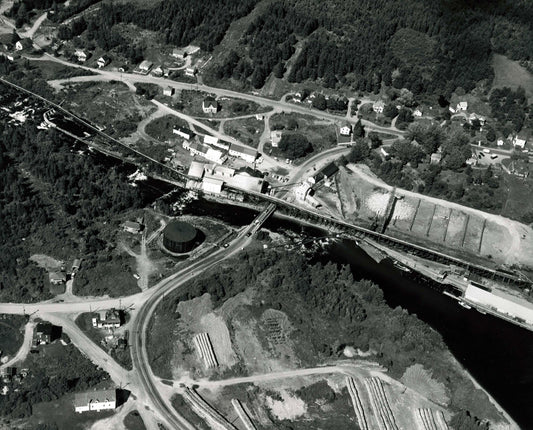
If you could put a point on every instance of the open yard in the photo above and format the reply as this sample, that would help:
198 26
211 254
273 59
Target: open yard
11 333
161 128
508 73
246 130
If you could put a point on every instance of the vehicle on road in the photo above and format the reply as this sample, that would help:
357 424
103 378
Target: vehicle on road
486 150
493 156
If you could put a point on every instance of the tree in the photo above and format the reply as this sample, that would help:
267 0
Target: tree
375 140
358 129
491 135
360 151
319 102
390 110
294 145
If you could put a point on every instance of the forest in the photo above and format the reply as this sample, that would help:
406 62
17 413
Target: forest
48 191
428 47
329 310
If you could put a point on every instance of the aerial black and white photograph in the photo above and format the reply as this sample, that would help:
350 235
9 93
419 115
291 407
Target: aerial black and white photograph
266 214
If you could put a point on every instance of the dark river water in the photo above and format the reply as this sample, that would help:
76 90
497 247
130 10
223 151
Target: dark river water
498 354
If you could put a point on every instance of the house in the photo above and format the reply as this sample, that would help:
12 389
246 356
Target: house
95 401
44 333
378 106
473 116
179 53
183 132
436 158
22 44
196 169
247 154
472 161
57 278
211 185
168 91
107 319
461 106
210 105
329 170
346 130
275 137
259 116
519 168
217 170
81 55
76 264
190 71
158 71
519 141
145 66
132 227
210 140
417 112
123 68
451 109
500 142
103 61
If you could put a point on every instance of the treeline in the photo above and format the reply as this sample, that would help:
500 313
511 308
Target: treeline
179 22
352 43
510 109
23 10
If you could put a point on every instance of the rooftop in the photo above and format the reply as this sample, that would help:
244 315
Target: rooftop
179 231
83 399
243 149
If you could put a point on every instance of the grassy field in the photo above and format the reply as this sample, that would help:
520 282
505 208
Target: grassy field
134 421
11 333
247 130
508 73
161 128
519 200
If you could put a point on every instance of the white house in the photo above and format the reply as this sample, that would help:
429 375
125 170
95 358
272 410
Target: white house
417 112
103 61
275 137
211 140
190 71
145 66
247 154
378 106
500 142
106 319
461 106
519 141
81 55
183 132
158 71
95 401
473 116
346 130
209 105
168 91
23 44
179 53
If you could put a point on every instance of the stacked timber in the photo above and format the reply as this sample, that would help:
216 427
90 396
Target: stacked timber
205 350
380 404
357 404
247 422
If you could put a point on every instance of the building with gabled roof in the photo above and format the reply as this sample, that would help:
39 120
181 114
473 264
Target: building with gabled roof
247 154
95 400
183 132
210 105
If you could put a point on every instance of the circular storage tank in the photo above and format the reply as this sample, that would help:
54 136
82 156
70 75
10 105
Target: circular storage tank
179 236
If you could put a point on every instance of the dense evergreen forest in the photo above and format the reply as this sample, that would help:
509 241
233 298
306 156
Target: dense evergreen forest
426 46
44 182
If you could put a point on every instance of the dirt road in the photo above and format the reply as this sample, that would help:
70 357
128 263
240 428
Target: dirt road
25 348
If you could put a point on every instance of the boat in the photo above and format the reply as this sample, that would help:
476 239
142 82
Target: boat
401 266
465 305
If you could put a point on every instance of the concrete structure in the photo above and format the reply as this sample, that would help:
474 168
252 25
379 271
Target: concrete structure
275 137
57 278
212 185
95 401
103 61
145 66
168 91
183 132
132 227
210 105
107 319
196 170
179 236
247 154
501 302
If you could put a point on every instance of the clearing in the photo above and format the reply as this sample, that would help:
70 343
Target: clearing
509 73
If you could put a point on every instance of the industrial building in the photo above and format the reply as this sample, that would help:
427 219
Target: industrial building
507 304
179 236
95 401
